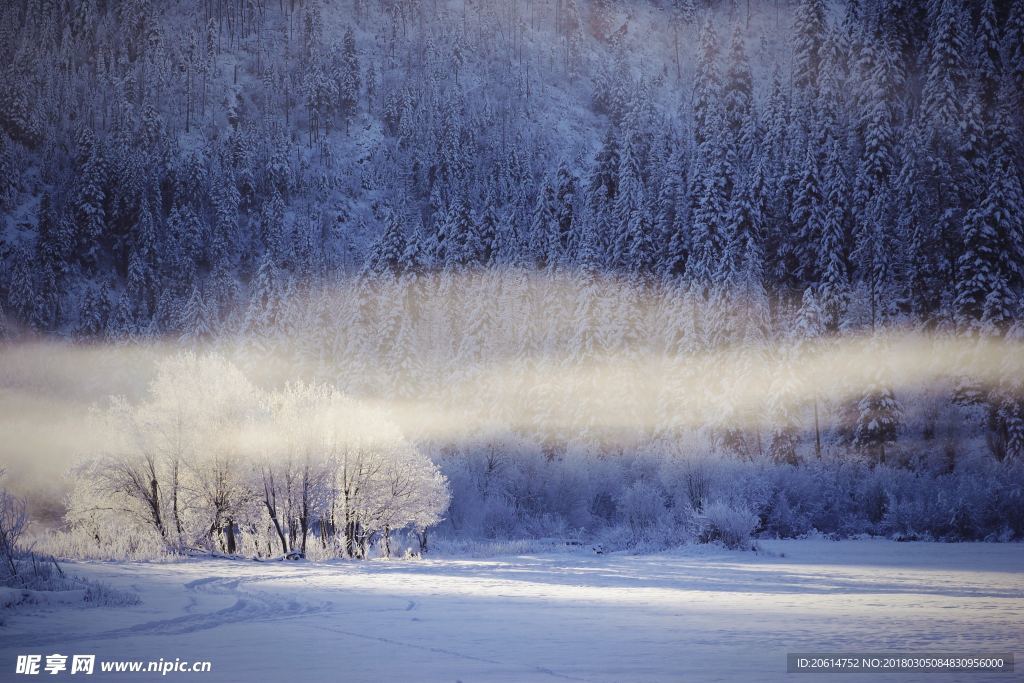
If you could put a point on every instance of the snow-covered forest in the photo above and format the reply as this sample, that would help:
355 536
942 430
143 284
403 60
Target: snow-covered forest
635 273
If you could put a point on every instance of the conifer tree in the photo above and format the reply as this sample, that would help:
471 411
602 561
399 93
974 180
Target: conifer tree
879 417
738 95
389 253
989 268
196 321
833 276
988 54
807 218
88 197
809 27
946 71
1013 47
707 86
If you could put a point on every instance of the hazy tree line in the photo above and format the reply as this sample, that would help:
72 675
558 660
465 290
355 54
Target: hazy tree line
321 181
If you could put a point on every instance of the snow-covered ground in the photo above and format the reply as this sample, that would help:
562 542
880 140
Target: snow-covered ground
697 614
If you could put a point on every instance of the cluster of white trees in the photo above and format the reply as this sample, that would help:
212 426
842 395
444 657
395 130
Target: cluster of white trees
210 460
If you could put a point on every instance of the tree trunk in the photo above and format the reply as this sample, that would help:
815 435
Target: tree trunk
679 65
350 532
817 431
154 508
304 516
174 505
422 537
229 531
277 527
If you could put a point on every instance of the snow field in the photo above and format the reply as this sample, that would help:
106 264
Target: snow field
697 614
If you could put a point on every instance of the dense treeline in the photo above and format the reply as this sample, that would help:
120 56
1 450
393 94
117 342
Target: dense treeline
773 172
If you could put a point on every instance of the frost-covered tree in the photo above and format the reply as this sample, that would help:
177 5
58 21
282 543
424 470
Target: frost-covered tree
707 85
809 27
879 417
988 270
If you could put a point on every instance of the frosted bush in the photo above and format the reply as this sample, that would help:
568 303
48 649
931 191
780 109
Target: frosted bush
641 507
102 595
498 518
40 578
462 547
730 525
103 543
781 519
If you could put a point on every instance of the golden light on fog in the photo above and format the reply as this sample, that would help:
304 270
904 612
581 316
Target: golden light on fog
545 370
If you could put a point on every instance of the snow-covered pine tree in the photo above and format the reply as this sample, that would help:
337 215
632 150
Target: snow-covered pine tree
88 197
195 320
811 324
710 222
738 96
988 269
878 118
1013 47
809 29
631 242
347 79
877 263
122 326
782 442
1006 403
807 218
833 282
946 69
565 204
988 54
144 265
388 255
182 249
879 417
544 228
707 86
265 309
604 176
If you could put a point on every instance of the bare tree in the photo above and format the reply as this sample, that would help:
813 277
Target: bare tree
270 502
13 523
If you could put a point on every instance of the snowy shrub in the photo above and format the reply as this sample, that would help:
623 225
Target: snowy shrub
696 480
498 518
567 495
727 524
641 508
105 538
782 520
875 500
467 547
978 501
831 499
100 594
37 579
